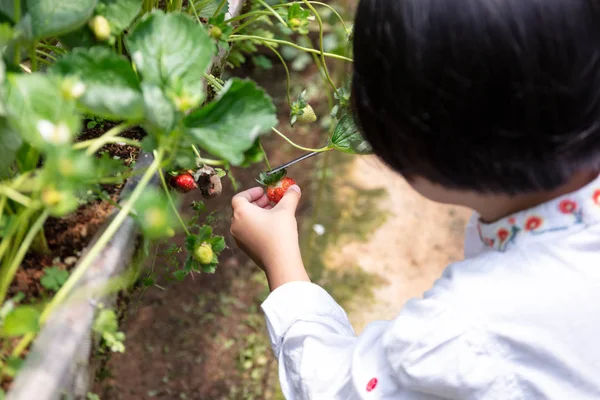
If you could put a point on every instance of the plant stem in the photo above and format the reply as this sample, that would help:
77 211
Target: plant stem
90 257
15 196
94 145
207 161
323 61
261 13
265 154
168 193
234 38
16 261
50 47
287 73
43 53
213 81
273 12
322 149
220 7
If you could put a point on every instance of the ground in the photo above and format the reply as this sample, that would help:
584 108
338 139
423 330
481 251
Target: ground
366 237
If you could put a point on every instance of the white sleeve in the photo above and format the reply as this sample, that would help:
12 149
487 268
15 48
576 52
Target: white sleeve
319 355
429 351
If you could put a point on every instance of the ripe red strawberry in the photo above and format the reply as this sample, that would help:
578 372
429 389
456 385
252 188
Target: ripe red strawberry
276 191
183 182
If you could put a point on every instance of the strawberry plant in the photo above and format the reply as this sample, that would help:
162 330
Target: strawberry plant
122 64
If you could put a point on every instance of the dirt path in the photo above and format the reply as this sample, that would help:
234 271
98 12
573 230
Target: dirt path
408 251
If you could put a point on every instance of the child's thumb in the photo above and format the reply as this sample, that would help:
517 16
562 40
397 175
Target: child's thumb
290 199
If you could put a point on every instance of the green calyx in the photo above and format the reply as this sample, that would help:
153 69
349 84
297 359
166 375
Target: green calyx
271 179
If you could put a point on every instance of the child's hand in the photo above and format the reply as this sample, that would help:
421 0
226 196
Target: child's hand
269 235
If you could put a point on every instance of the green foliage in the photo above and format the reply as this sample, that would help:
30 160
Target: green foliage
347 138
106 325
111 87
20 321
229 126
192 243
297 19
55 17
178 68
54 278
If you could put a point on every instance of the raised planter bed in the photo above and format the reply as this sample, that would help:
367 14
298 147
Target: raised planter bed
62 363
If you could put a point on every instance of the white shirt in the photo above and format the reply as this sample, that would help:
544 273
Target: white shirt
519 318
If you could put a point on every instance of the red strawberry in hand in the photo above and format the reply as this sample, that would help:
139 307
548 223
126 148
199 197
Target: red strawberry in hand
275 192
183 182
277 184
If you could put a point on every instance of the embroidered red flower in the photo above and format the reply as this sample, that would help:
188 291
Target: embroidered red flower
503 234
596 197
512 220
533 223
372 384
567 206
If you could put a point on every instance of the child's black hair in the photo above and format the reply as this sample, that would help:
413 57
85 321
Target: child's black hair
495 96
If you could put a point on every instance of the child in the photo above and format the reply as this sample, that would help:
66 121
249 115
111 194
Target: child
490 104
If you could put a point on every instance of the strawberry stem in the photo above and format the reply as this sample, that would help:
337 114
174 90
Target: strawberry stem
265 154
320 150
168 193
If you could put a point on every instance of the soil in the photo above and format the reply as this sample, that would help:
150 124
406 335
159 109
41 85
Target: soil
191 339
69 235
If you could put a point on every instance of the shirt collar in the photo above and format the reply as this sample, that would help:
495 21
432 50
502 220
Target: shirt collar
581 207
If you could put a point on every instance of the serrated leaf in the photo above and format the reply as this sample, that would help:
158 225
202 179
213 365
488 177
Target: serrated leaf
207 8
180 274
38 97
21 321
204 233
112 88
217 243
347 138
229 126
191 241
209 268
119 13
56 17
54 278
10 141
171 51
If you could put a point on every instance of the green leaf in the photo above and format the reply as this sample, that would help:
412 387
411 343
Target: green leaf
180 274
112 88
154 214
82 37
106 322
172 51
347 138
10 141
21 321
159 110
207 8
54 278
51 118
119 13
229 126
204 233
7 10
217 243
57 17
13 366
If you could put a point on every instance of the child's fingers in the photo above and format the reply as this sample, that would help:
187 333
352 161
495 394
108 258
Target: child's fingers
247 196
262 201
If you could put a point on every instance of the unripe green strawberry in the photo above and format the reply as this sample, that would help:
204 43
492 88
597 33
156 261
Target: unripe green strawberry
308 115
215 32
204 254
295 22
100 27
